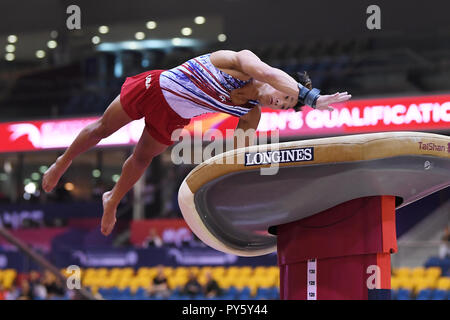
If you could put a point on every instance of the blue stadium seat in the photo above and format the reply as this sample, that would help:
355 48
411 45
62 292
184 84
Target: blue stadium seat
263 294
424 294
105 293
199 296
114 294
227 296
433 262
274 293
232 291
124 294
439 295
177 291
175 295
141 294
444 264
403 294
245 294
393 294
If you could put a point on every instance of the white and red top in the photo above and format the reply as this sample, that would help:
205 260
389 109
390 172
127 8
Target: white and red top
197 87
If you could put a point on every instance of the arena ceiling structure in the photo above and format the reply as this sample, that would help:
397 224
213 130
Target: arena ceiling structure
243 22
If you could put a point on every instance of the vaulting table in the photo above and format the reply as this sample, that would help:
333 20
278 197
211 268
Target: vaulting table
327 207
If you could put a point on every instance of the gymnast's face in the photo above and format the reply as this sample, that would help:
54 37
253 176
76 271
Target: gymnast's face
275 99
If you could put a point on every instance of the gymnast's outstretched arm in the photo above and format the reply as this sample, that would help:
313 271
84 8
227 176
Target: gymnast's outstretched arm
250 64
247 63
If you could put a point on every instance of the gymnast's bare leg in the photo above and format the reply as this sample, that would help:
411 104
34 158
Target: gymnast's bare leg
133 168
112 120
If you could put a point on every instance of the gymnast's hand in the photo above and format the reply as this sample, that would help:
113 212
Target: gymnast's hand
324 101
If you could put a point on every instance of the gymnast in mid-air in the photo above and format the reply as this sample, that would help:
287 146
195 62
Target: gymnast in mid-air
236 83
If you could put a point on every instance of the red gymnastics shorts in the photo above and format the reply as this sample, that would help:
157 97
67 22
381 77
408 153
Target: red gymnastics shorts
141 96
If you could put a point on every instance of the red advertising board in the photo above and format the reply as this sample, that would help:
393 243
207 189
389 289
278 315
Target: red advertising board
412 113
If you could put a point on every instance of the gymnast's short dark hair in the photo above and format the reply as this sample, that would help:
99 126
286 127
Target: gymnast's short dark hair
304 79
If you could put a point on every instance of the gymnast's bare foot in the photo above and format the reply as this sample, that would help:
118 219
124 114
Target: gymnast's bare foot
109 214
54 173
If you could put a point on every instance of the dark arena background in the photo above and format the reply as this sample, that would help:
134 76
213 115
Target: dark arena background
63 62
